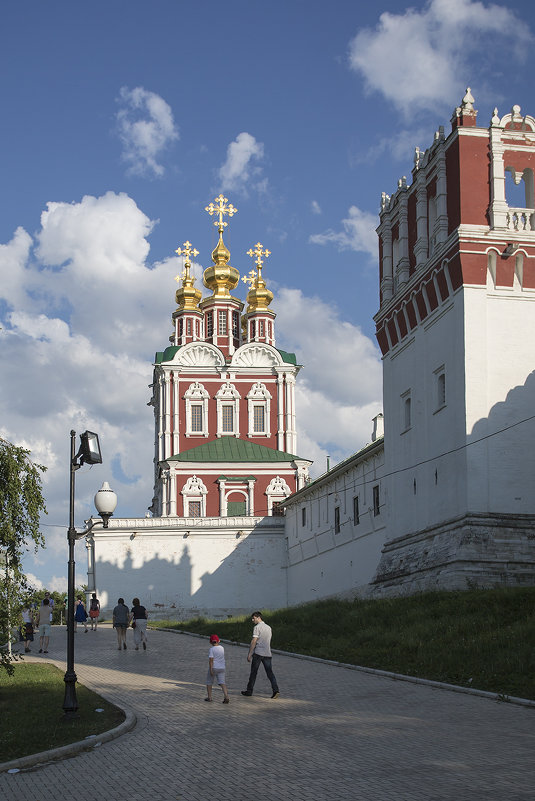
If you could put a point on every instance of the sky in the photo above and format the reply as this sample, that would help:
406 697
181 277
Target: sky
121 121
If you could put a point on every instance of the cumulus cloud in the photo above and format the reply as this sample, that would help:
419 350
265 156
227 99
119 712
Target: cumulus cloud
315 206
146 128
358 233
420 58
241 169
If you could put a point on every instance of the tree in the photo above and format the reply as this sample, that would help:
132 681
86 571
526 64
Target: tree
21 504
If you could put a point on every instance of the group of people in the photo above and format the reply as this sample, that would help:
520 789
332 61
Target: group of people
137 617
81 616
40 620
259 654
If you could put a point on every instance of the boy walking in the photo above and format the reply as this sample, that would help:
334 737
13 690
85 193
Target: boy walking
216 669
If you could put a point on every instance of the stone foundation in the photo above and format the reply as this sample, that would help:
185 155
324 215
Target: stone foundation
469 551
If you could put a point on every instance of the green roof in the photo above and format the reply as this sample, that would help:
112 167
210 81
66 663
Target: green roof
167 354
230 449
287 358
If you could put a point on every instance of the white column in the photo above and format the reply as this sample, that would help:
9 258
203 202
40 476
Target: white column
498 204
421 246
402 269
251 497
165 509
222 500
280 412
441 223
387 282
161 421
167 417
172 495
176 414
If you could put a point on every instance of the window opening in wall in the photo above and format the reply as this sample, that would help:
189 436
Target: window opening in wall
253 329
270 330
235 325
222 323
336 519
376 505
277 510
196 418
194 509
441 390
516 189
259 419
180 327
209 324
188 327
261 328
303 516
356 516
227 419
407 412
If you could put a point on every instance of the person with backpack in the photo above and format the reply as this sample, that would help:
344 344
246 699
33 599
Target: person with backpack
94 611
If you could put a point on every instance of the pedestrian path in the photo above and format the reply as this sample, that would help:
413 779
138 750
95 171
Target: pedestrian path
333 734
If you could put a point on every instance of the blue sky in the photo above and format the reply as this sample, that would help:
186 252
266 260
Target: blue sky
123 120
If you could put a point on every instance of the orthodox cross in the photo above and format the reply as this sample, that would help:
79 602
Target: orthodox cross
186 250
258 252
221 209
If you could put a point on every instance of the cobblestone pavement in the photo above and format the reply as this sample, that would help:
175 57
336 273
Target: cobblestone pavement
332 734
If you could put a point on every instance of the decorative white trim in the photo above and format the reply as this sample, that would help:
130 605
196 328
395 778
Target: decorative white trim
194 490
226 395
195 394
277 490
259 395
255 355
197 354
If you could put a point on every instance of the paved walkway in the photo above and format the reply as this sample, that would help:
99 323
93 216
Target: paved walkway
333 734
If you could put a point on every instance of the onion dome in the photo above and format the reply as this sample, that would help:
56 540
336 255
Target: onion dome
187 297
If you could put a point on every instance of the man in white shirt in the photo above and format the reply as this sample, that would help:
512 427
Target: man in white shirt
260 652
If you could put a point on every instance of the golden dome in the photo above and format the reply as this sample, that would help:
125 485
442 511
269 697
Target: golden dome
187 297
258 297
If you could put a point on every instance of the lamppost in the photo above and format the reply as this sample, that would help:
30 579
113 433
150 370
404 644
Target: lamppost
105 502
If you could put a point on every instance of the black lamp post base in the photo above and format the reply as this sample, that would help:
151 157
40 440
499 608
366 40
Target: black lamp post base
70 701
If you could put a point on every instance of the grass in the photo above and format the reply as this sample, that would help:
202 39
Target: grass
32 716
483 639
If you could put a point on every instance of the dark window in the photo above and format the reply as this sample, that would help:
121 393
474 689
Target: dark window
303 516
188 327
222 325
336 519
235 325
209 324
196 418
253 329
356 517
194 508
277 510
376 505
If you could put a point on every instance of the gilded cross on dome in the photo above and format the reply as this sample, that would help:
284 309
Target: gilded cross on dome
221 209
249 279
186 250
258 252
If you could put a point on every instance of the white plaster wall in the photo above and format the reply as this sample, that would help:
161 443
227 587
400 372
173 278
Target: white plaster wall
213 574
321 562
500 382
423 453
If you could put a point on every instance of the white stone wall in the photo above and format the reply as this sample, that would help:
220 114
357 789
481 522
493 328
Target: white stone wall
211 571
321 562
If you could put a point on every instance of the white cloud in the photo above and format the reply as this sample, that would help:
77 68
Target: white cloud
146 128
358 233
425 58
241 169
315 206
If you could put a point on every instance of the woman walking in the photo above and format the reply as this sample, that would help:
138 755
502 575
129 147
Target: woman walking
94 611
80 615
121 619
139 624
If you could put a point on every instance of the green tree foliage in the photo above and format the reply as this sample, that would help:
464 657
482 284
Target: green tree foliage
21 504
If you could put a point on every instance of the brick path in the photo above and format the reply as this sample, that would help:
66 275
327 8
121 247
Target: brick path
333 734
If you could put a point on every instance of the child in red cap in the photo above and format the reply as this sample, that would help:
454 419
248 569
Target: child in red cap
216 668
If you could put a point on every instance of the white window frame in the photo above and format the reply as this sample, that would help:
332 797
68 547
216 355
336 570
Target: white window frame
259 395
277 490
194 490
228 395
440 388
406 411
196 394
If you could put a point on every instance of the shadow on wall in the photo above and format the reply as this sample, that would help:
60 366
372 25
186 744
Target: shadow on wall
501 452
179 585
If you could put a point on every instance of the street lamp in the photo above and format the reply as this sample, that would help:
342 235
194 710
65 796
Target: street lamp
105 502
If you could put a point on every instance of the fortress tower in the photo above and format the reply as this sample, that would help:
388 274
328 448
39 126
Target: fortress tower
456 327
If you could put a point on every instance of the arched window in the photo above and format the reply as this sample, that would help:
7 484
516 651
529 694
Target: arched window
194 497
258 407
277 490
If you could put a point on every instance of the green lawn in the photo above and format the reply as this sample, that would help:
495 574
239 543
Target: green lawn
32 715
478 638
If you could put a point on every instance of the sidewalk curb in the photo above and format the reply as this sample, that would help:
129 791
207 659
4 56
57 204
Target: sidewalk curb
32 760
385 674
